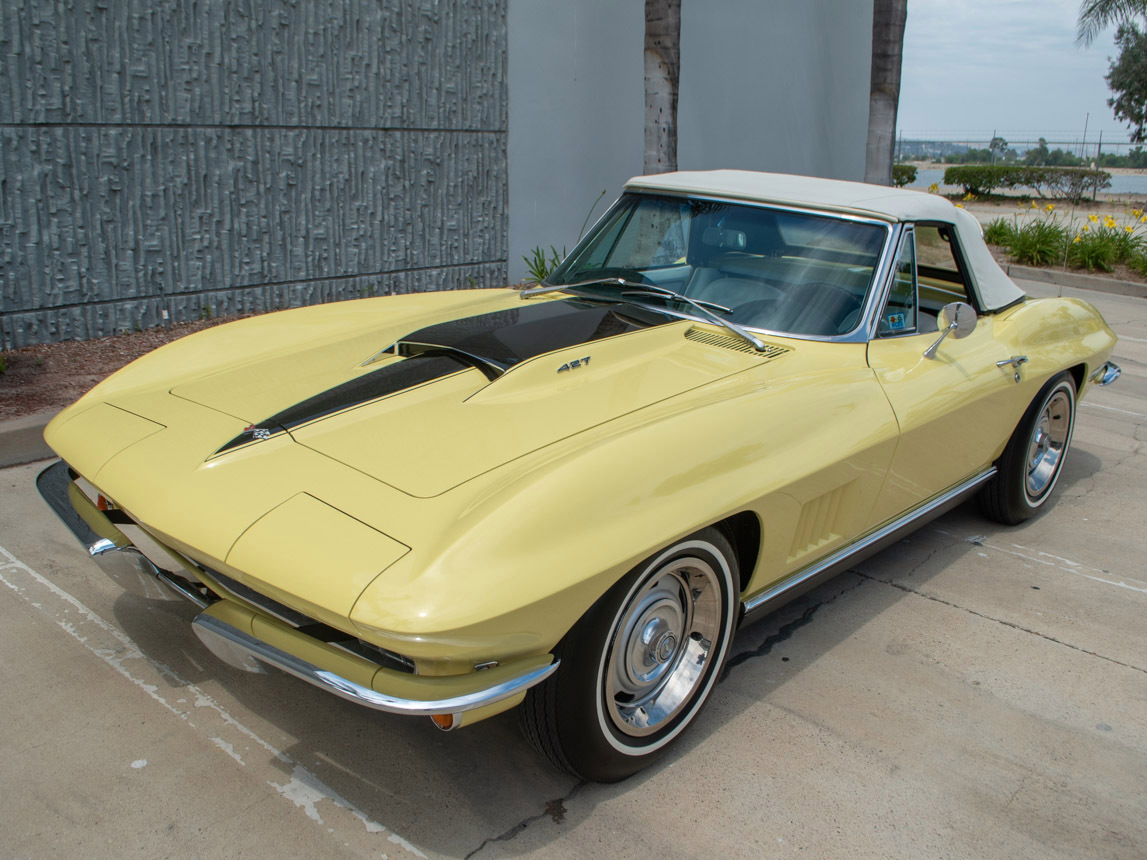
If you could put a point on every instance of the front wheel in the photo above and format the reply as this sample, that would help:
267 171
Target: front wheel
638 667
1033 460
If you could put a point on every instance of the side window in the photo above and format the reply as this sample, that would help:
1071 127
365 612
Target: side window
899 316
941 278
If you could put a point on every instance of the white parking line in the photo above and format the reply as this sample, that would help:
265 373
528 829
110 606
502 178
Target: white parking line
1049 560
115 648
1112 409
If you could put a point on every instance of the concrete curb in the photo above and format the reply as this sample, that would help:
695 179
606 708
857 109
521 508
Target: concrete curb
1078 281
22 439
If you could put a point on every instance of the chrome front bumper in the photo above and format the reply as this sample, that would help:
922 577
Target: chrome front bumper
240 649
107 546
228 628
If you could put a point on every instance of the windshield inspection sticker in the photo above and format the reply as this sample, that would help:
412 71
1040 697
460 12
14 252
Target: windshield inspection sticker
895 321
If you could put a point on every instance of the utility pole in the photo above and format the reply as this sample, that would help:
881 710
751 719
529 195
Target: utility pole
1095 166
1083 146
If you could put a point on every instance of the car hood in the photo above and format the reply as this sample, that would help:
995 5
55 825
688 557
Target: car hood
450 401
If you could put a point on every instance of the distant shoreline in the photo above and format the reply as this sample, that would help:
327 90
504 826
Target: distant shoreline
1114 171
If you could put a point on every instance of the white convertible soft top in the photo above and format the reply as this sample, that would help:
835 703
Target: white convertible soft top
994 288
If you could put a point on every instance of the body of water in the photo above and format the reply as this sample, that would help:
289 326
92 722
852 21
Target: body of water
1128 183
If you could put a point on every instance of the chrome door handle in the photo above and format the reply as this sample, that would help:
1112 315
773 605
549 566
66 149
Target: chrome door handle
1015 361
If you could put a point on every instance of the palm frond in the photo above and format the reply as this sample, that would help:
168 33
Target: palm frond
1096 15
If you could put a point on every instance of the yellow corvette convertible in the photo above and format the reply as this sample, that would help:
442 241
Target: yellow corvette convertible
567 497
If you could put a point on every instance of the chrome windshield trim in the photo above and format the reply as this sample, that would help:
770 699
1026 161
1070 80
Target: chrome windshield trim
207 625
879 295
865 542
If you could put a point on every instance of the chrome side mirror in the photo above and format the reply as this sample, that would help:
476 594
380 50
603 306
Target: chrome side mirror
957 319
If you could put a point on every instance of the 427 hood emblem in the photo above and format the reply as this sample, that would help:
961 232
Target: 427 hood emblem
573 365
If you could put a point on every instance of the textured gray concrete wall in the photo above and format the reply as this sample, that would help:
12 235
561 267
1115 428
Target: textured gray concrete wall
776 86
212 157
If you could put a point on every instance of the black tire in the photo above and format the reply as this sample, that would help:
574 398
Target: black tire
1032 462
597 717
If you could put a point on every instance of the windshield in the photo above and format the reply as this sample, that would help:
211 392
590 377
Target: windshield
772 269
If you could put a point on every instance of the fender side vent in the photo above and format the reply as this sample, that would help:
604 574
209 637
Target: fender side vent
724 341
819 522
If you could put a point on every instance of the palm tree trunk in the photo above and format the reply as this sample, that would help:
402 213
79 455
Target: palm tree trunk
662 73
888 18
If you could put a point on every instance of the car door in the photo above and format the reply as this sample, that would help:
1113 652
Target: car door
953 409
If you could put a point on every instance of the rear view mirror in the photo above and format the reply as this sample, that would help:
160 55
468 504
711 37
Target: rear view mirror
957 319
719 237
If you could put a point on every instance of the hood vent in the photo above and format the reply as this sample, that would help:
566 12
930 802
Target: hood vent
724 341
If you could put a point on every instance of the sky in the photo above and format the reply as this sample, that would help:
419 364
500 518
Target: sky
1012 66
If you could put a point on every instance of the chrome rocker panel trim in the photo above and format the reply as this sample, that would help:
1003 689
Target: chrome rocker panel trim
809 577
211 630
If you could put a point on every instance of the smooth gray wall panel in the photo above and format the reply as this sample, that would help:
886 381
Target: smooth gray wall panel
169 154
577 91
781 87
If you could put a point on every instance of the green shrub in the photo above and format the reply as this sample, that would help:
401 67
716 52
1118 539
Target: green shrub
1038 243
1069 183
903 174
1138 263
539 266
3 364
999 232
1094 249
978 179
1127 245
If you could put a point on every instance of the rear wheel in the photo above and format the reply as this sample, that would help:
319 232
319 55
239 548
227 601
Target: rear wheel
638 667
1033 461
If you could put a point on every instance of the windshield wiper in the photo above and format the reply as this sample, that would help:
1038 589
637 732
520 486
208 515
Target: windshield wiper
650 289
633 287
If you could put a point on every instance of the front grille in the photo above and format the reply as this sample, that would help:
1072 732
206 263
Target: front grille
261 601
724 341
310 626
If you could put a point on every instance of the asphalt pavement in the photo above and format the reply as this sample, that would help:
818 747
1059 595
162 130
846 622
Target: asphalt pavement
973 691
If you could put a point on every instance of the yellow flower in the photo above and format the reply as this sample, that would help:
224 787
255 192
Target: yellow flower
1143 219
1086 228
1138 213
959 205
1077 239
1129 229
1094 219
934 187
1110 223
1035 205
969 196
1049 208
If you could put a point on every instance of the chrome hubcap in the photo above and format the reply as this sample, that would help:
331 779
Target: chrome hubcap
662 646
1048 444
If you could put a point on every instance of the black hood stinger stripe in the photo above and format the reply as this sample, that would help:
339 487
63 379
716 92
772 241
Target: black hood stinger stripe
493 342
